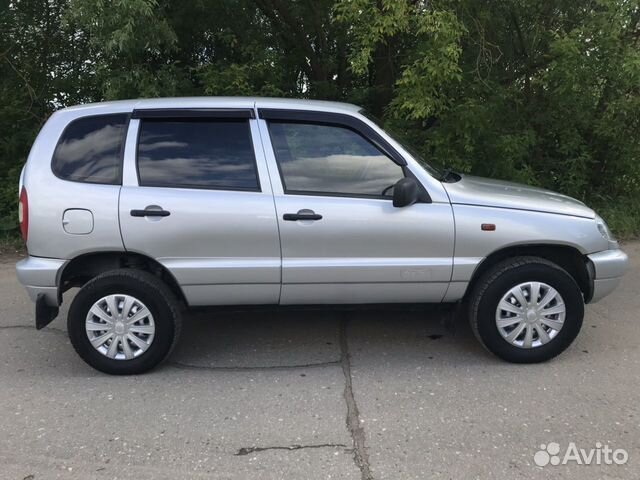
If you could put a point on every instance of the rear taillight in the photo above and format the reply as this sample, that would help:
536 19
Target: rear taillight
23 214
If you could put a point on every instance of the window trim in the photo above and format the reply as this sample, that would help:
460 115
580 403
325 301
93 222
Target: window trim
334 119
343 121
202 119
182 113
118 180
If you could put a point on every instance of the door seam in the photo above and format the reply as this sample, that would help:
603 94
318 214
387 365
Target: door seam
273 196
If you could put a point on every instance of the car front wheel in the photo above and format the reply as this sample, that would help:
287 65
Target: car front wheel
526 310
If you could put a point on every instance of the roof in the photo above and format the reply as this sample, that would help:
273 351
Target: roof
217 102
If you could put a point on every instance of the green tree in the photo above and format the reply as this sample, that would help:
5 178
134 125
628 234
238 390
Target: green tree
539 91
544 92
42 67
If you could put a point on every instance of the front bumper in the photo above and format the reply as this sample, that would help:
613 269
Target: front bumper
609 266
40 277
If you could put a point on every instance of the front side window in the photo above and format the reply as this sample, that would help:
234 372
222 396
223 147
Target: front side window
330 159
90 150
197 153
403 139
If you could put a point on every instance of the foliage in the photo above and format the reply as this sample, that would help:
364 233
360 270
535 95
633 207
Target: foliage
545 92
42 64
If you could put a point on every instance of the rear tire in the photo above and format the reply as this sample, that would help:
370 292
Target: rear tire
543 335
133 326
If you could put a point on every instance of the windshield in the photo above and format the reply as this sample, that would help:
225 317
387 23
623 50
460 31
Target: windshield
433 168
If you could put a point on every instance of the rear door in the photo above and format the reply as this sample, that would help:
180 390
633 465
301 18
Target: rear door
196 197
342 239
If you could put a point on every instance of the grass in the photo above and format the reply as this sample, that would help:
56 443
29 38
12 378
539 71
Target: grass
623 219
11 243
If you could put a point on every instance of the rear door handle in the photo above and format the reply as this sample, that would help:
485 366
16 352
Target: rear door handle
304 214
150 213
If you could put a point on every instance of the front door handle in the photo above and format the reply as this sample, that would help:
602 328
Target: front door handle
150 213
304 214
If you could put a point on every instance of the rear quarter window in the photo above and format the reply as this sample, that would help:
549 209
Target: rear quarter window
90 150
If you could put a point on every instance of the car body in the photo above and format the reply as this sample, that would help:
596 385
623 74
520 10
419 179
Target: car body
257 201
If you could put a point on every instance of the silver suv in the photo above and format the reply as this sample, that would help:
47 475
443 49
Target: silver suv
153 206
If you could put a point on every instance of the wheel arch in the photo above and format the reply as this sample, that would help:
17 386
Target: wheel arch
566 257
83 268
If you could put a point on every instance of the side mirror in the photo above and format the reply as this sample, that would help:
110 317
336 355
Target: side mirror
405 192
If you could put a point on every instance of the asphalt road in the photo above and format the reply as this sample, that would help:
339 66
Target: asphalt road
318 395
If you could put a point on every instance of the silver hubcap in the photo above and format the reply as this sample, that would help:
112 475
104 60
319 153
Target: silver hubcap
120 327
530 314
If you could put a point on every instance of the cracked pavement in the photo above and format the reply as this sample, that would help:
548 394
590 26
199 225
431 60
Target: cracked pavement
381 394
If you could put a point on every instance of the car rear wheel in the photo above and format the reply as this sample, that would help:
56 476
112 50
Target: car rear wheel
124 322
526 310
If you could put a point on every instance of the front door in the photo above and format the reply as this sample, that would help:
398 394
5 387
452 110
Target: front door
200 203
342 239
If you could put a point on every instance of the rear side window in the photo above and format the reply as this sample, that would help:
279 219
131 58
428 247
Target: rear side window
90 150
197 153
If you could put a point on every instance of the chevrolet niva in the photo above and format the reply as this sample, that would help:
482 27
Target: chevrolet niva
154 206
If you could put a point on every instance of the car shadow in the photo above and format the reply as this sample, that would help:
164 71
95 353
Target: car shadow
293 338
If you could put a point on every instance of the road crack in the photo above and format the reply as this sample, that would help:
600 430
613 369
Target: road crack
248 450
360 455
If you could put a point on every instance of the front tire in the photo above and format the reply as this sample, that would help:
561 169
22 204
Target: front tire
526 310
124 322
